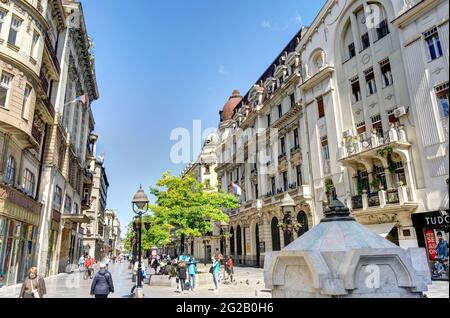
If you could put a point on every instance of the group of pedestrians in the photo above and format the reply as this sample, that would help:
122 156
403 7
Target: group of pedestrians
184 269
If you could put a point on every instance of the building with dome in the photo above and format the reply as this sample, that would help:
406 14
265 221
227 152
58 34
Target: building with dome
355 107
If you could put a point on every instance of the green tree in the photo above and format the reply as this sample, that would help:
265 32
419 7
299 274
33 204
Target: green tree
187 207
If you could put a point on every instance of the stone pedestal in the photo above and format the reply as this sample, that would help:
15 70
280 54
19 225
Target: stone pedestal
341 258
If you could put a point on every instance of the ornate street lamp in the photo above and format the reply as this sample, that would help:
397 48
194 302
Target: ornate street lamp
140 207
288 205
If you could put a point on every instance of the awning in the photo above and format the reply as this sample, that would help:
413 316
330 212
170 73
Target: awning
381 229
76 218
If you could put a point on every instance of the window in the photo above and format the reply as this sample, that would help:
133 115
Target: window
285 181
272 182
256 191
386 73
283 145
34 43
361 128
268 121
325 149
280 111
399 175
14 30
377 125
371 86
391 116
76 208
363 177
5 84
356 90
26 101
365 40
57 197
351 50
433 44
321 107
382 29
381 175
68 205
292 98
10 175
442 97
28 182
207 169
296 141
299 175
2 19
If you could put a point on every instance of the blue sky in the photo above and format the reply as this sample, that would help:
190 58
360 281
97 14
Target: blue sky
162 64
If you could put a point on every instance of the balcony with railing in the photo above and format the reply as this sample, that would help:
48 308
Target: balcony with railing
370 144
382 200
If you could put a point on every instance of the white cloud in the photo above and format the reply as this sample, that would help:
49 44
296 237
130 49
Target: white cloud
222 70
296 21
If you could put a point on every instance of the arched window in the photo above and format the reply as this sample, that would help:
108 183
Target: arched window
28 182
302 219
10 175
232 241
276 245
348 50
239 240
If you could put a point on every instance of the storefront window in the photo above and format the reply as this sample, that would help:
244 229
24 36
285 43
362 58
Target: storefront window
433 234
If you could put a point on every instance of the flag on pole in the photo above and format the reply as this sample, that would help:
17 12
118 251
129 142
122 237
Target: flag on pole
81 99
236 189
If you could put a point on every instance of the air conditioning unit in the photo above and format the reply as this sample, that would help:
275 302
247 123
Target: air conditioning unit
348 133
400 112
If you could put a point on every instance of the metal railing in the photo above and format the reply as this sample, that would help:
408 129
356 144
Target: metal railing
357 202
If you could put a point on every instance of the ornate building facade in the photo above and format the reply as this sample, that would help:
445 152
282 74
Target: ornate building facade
346 110
47 87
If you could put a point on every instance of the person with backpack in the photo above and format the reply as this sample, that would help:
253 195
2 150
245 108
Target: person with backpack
102 285
192 269
182 273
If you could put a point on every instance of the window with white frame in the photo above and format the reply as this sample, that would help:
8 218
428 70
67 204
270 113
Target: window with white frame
10 175
377 125
28 182
325 149
433 44
361 128
442 98
5 84
14 30
386 73
2 19
26 101
371 86
34 44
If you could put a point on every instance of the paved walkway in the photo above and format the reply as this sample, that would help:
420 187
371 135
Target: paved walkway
249 284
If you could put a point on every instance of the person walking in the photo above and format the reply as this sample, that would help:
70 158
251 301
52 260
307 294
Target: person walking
215 269
102 285
192 269
229 265
182 273
81 262
33 286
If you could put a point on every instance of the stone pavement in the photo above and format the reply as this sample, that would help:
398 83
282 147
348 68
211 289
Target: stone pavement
250 284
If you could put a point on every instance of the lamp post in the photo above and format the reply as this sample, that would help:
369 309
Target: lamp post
288 205
225 230
140 207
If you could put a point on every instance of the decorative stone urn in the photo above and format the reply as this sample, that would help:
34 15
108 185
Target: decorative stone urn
340 258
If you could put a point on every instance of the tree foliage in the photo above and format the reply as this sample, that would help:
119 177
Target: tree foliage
186 207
